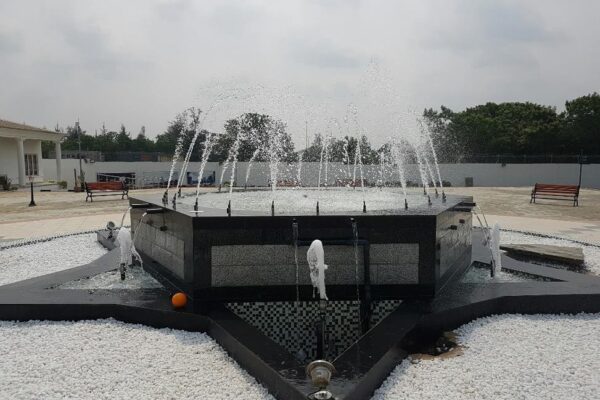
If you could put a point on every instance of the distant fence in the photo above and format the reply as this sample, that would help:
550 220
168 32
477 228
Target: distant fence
135 156
132 156
523 159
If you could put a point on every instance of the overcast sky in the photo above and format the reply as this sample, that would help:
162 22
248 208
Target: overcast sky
142 62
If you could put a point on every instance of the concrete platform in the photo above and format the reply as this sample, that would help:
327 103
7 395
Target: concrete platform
562 254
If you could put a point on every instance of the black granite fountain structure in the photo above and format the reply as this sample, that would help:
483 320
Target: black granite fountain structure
239 268
221 255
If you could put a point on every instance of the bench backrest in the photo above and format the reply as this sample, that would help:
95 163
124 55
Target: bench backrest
543 187
114 185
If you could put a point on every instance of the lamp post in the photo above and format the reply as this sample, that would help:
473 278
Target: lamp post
582 159
32 202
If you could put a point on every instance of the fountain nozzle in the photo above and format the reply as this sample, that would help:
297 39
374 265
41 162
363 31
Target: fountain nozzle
165 198
174 200
219 188
436 193
443 197
229 208
272 208
364 207
179 192
317 208
295 231
196 205
320 372
424 190
405 204
428 200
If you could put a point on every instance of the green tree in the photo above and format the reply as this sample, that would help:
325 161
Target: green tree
142 143
123 140
581 128
256 133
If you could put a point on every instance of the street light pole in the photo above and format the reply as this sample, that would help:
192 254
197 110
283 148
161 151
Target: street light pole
32 202
580 165
79 153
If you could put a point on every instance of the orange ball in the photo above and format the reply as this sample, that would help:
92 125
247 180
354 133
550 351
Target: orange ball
179 300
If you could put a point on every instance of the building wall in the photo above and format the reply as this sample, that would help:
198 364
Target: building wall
482 174
9 161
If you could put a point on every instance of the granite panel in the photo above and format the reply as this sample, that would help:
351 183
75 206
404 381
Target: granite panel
250 265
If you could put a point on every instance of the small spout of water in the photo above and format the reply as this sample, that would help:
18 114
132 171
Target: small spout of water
122 271
405 204
428 200
424 191
196 205
219 188
317 208
245 187
436 193
179 192
495 250
165 198
443 197
355 237
174 199
229 208
364 207
295 238
273 208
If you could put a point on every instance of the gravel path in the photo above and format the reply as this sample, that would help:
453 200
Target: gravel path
108 359
509 357
29 261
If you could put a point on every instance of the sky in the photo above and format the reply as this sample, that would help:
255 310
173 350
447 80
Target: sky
140 62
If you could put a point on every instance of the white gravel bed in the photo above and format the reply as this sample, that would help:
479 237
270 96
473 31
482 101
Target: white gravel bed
108 359
591 253
36 259
509 357
135 278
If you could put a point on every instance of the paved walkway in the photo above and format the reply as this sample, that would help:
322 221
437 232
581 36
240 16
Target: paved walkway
588 232
56 226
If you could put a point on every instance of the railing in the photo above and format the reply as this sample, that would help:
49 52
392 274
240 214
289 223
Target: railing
132 156
523 159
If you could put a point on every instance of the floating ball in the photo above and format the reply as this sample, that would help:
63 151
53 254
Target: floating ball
179 300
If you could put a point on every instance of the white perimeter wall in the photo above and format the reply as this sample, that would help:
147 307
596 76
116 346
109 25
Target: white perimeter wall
482 174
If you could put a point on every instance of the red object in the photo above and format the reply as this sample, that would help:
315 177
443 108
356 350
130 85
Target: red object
179 300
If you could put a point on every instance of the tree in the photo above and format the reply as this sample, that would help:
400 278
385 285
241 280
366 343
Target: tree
257 135
505 128
142 143
123 140
581 128
184 124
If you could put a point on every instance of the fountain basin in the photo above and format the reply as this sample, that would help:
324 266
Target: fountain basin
250 255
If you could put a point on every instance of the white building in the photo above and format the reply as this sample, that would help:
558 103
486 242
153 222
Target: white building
21 152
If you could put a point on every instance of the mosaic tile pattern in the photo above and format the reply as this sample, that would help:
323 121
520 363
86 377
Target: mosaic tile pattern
293 326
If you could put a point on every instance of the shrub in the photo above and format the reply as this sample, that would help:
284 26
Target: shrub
5 182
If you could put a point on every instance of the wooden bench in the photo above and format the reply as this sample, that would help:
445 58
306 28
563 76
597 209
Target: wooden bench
555 192
351 183
106 189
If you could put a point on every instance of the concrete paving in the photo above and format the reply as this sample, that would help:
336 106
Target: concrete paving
66 212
